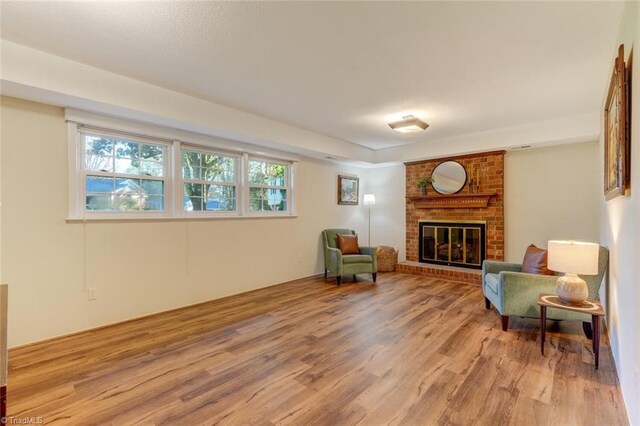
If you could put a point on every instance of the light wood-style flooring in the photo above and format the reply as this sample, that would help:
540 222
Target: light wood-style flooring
407 351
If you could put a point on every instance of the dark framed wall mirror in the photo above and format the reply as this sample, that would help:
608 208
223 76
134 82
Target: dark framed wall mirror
449 177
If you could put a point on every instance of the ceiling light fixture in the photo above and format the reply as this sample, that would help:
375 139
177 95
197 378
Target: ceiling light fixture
409 124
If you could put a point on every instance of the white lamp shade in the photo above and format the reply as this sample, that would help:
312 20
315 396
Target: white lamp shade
368 199
573 257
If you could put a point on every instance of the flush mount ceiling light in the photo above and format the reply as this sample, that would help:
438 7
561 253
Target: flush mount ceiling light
409 124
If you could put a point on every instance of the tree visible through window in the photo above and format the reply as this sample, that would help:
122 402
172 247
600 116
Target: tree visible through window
118 175
123 175
268 186
209 181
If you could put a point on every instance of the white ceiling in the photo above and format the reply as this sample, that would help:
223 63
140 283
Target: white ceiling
345 69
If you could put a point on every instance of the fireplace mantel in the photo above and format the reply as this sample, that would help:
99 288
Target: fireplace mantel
454 201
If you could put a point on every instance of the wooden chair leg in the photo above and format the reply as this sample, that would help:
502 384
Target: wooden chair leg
338 280
325 273
588 330
354 277
505 322
375 276
487 303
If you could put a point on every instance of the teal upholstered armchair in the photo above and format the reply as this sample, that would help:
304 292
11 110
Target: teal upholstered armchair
348 264
514 293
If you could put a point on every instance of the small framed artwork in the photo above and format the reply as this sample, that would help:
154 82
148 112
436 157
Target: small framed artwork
616 132
348 190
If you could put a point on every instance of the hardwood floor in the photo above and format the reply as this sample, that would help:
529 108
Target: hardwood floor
409 350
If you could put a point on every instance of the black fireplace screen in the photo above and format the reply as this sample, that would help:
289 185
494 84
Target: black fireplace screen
452 243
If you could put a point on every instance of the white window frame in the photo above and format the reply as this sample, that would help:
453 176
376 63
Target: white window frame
180 182
82 172
288 186
173 142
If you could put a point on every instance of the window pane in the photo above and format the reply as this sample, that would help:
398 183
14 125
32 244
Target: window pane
264 199
153 202
210 167
127 202
100 153
127 149
100 184
118 157
217 174
195 204
187 204
95 145
193 190
150 168
127 165
99 202
151 152
99 163
191 159
152 186
220 198
128 186
264 173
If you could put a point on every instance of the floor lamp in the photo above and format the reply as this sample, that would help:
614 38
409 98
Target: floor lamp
369 200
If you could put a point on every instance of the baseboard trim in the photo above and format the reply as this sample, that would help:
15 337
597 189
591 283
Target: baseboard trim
141 317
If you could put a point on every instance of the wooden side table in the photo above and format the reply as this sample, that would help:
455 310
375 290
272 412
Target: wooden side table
589 307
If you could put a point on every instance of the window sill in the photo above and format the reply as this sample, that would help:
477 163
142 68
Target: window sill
176 219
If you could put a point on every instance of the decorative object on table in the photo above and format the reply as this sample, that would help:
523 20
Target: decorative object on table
573 258
514 293
409 124
346 264
617 141
348 190
588 307
448 177
387 258
369 200
422 184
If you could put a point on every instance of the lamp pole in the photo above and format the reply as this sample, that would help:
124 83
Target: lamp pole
369 200
369 233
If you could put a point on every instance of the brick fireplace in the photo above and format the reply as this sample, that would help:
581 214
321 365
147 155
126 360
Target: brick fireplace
483 205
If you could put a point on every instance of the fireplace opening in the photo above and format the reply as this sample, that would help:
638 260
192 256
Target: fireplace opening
454 243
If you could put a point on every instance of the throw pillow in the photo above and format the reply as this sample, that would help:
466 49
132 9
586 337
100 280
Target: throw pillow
535 261
348 244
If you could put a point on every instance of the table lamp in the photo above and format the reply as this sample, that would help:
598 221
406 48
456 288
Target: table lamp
572 258
369 200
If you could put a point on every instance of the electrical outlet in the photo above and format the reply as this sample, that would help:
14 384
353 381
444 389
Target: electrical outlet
91 293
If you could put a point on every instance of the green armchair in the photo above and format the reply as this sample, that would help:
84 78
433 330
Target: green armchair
348 264
514 293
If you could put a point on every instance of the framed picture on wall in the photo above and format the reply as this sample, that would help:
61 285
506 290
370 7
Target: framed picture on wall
616 132
348 190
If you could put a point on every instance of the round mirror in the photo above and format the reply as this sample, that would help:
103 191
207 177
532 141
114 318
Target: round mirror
448 177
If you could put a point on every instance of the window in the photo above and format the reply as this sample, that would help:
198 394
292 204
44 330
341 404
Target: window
269 188
123 175
210 181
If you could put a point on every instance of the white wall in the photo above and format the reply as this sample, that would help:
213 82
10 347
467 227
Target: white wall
388 216
137 267
620 231
550 193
